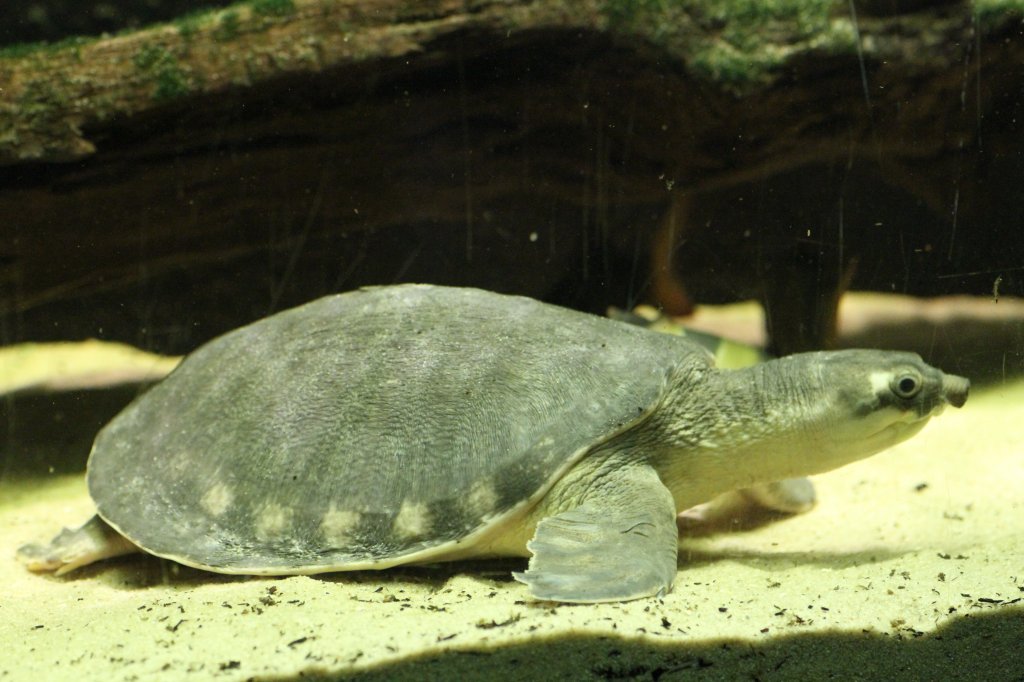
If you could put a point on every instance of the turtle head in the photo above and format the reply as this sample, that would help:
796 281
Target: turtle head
795 416
864 401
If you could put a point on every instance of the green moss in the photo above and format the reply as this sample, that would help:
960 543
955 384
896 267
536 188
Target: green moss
171 85
276 8
159 65
189 24
626 14
19 50
41 103
227 27
39 95
723 65
71 45
993 13
760 11
745 23
148 57
186 29
1016 6
735 42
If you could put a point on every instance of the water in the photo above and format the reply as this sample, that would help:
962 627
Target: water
690 168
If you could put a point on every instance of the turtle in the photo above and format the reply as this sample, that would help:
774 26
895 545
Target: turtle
418 423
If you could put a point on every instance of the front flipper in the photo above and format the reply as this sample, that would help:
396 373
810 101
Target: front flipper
619 544
70 549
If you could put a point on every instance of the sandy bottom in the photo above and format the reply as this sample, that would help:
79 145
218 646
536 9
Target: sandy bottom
911 566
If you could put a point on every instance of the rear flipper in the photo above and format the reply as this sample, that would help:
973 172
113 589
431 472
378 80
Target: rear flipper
71 549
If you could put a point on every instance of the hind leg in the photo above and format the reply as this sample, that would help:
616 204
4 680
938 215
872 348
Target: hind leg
71 549
790 496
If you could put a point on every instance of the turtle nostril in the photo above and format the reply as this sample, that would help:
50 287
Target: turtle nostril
955 389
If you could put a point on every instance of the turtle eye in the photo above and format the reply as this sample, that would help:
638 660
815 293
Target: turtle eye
906 385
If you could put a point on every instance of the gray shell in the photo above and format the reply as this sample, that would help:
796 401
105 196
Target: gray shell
370 428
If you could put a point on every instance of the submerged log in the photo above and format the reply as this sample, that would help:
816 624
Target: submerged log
165 184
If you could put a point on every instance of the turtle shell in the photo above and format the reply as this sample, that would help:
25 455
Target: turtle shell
370 428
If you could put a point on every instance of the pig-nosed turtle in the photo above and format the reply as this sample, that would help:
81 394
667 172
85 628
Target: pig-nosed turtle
419 423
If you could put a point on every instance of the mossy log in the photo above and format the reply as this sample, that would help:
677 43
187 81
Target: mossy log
162 185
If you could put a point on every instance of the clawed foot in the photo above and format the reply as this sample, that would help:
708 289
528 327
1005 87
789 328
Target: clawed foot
74 548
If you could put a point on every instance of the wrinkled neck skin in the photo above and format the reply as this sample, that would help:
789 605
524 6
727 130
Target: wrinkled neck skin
764 423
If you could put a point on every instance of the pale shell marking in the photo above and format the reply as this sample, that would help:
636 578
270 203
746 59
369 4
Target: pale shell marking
337 525
483 499
272 521
413 520
217 499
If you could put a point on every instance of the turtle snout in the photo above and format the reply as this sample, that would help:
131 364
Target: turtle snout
955 389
